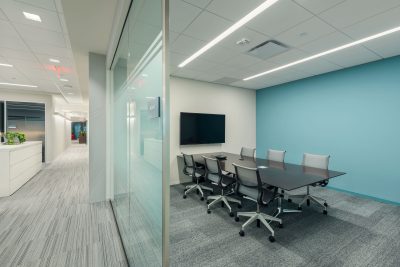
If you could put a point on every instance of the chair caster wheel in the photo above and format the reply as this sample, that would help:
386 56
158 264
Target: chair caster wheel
271 239
236 218
231 214
184 196
326 204
308 202
239 206
325 212
208 211
299 208
202 198
241 233
289 200
280 225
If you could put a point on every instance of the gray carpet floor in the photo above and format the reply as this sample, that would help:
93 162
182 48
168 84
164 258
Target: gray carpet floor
50 222
356 232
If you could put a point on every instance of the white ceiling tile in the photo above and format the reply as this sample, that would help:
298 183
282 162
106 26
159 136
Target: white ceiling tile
6 29
206 20
233 9
318 66
202 65
186 73
13 9
387 46
353 11
325 43
30 33
375 24
13 43
199 3
289 56
317 6
2 15
254 37
305 32
175 59
352 56
12 75
181 15
25 64
46 4
17 54
219 54
59 6
173 36
278 18
186 45
51 50
242 60
208 77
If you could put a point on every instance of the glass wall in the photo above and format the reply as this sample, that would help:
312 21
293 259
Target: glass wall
138 131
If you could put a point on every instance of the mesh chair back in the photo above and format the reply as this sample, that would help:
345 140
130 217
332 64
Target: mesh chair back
276 155
189 163
247 152
248 178
213 170
316 161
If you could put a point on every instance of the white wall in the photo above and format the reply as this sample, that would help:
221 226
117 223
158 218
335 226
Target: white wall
61 128
239 106
55 139
98 126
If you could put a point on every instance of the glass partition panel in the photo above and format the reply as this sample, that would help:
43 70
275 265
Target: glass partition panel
138 127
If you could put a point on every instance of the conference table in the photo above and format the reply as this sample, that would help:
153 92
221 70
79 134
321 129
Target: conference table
286 176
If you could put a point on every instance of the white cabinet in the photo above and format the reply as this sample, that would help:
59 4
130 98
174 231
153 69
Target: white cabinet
18 164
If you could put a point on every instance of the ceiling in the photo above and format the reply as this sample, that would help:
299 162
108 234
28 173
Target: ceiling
89 31
29 45
307 27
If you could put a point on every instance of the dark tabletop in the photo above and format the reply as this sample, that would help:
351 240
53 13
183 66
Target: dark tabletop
283 175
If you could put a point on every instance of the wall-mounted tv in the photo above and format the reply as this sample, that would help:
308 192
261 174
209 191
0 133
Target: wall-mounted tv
201 128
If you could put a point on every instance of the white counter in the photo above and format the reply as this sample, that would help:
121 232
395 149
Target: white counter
18 164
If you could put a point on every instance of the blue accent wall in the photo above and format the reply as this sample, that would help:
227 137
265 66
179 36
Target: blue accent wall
351 114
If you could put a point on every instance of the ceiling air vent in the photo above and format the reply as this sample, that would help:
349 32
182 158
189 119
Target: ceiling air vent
268 49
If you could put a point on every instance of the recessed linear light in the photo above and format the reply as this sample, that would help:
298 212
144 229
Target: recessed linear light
20 85
70 93
64 80
54 60
6 65
330 51
229 31
33 17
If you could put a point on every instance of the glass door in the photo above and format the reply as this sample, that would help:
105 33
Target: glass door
139 130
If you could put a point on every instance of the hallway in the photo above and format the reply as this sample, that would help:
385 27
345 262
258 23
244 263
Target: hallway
49 221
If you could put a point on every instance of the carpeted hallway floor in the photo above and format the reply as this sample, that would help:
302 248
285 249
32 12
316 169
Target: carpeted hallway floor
356 232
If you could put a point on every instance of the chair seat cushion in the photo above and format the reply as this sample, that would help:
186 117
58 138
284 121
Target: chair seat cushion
227 180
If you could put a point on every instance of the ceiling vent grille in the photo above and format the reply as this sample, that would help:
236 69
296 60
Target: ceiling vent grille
268 49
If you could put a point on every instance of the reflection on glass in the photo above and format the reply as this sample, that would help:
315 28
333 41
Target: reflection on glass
137 134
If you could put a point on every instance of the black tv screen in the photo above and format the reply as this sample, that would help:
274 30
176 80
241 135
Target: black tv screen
200 128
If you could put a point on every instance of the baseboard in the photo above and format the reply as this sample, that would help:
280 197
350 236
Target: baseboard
364 196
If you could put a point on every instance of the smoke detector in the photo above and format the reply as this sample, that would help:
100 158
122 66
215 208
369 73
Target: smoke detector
243 41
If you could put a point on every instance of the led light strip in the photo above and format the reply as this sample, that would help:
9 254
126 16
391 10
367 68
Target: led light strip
5 65
20 85
230 30
366 39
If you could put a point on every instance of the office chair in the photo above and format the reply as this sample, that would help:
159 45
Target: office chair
249 185
276 155
319 162
215 176
196 172
247 152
